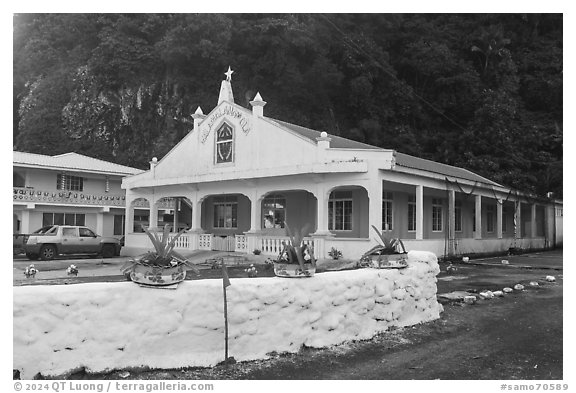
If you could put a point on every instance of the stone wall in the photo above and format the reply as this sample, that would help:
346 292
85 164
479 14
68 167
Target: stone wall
106 326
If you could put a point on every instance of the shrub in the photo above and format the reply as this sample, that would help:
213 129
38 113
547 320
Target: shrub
335 253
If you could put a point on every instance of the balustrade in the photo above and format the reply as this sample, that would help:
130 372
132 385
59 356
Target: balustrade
68 197
205 241
272 245
241 244
183 241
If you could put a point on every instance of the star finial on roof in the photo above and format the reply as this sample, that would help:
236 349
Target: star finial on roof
229 74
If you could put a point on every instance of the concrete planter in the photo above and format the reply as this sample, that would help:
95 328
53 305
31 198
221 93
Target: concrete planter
389 261
291 270
157 275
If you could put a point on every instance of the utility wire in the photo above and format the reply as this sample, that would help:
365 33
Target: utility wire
352 45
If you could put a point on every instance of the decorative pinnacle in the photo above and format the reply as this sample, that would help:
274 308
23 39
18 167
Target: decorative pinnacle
229 74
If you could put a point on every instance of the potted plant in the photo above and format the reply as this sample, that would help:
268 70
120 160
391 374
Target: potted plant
164 266
390 253
296 258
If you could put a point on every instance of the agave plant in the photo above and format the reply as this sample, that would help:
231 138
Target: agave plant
164 254
386 246
296 251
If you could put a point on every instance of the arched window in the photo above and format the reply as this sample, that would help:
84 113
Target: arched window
274 211
224 144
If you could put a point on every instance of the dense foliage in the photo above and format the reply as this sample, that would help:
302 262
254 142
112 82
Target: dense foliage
483 92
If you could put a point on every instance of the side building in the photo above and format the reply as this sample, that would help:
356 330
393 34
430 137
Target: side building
68 189
238 177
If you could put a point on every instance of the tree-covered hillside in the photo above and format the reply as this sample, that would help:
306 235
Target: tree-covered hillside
483 92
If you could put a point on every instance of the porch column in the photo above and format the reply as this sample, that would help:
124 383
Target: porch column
25 223
255 213
533 220
478 218
375 206
321 211
252 236
518 220
499 207
129 214
196 224
419 212
175 223
451 220
153 214
100 224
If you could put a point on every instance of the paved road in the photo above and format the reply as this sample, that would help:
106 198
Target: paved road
545 259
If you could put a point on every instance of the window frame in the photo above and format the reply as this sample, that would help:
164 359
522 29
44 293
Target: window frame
231 141
332 201
458 216
490 221
265 210
79 219
225 201
437 215
411 206
387 211
71 182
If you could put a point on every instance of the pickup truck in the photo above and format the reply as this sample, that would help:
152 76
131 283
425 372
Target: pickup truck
50 241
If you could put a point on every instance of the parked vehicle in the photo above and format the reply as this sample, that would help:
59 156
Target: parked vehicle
48 242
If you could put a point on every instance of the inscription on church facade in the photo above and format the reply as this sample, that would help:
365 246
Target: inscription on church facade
226 110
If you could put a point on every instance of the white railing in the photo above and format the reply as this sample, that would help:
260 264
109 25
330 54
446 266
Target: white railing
205 241
22 194
241 244
272 245
182 242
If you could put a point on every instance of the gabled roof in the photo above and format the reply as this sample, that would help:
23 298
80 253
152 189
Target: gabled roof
408 161
73 162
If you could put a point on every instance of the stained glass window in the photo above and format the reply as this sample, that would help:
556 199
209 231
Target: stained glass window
224 144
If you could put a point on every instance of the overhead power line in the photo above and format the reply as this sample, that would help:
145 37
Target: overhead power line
358 49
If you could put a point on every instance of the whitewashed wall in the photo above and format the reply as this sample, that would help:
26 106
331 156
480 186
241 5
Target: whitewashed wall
106 326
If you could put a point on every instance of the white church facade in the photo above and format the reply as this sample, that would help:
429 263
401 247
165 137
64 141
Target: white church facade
239 176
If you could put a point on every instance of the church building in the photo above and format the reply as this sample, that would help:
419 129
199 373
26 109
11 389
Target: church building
239 177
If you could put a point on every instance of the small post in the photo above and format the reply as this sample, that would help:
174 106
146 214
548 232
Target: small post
225 283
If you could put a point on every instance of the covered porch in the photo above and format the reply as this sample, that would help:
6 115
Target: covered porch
244 216
338 210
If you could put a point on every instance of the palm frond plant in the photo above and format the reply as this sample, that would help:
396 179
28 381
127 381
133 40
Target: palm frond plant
296 252
163 266
380 255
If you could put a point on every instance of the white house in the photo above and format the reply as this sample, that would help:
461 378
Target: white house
238 176
70 189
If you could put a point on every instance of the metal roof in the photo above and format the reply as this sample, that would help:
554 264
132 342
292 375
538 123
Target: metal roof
443 169
337 142
402 159
71 161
